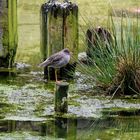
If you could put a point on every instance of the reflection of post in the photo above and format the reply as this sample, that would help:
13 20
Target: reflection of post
11 126
72 129
61 94
60 127
65 128
47 128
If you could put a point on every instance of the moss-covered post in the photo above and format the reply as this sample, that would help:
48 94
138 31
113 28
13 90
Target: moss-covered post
61 94
59 30
8 32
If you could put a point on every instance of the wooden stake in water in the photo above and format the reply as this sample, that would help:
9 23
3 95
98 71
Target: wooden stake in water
61 95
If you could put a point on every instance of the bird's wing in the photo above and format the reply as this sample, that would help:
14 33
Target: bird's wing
52 60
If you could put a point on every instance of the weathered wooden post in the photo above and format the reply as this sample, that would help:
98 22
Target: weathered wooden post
96 38
59 29
8 32
61 94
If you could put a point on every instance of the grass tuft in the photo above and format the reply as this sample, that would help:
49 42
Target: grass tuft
116 63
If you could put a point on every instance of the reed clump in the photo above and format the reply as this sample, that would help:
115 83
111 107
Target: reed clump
116 64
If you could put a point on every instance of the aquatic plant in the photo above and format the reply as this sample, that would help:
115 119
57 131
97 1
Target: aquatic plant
116 63
127 48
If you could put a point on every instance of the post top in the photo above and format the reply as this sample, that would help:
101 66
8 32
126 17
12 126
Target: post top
54 4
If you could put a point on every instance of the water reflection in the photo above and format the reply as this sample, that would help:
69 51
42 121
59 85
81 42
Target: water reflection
76 129
57 127
60 128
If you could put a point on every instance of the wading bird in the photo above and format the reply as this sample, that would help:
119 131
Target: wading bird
57 60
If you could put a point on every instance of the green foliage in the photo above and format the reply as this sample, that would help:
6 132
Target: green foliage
116 63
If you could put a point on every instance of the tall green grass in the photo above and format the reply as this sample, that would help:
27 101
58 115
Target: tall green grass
116 64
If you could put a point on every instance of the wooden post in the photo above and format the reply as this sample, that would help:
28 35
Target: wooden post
96 38
8 32
59 30
61 93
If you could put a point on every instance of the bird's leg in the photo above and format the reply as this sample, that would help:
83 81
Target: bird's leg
56 75
56 78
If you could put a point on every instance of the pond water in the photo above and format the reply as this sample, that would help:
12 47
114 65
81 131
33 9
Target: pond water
72 129
27 111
